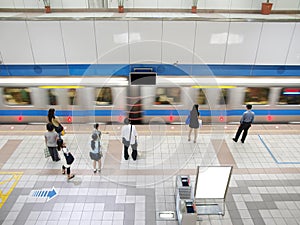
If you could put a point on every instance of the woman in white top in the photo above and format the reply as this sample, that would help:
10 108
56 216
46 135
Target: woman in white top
129 137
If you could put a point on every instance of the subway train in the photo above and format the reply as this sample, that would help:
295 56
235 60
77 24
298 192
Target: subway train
166 99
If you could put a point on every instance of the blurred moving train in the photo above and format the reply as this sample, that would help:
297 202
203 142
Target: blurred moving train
168 100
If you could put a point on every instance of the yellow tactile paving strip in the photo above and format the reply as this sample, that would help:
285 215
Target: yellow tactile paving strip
8 182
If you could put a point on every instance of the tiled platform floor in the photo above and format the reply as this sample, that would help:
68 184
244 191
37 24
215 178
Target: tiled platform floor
264 187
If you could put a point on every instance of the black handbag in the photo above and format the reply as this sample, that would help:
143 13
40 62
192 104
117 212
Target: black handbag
59 129
124 141
69 158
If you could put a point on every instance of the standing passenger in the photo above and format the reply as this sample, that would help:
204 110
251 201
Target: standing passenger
245 124
57 126
97 131
129 138
96 153
194 122
51 138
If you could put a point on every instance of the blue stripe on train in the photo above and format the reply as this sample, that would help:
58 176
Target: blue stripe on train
66 113
161 69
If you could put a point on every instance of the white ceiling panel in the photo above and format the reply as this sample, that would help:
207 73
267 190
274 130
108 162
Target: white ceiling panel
294 49
79 41
178 41
14 43
211 40
145 41
242 43
46 42
112 42
274 43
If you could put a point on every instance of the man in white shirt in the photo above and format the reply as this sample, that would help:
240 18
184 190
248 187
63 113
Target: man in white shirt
129 137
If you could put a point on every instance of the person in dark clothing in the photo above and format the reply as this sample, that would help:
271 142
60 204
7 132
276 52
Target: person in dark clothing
194 122
245 124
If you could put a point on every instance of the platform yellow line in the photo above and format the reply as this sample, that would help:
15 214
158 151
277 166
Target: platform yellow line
16 176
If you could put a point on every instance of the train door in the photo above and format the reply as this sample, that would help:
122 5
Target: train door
134 104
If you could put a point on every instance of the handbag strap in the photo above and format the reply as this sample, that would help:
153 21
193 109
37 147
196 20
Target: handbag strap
130 133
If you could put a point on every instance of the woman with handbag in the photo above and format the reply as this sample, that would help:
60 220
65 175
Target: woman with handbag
129 138
194 122
55 122
96 153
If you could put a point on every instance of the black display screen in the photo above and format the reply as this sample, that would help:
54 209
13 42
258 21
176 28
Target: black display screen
143 78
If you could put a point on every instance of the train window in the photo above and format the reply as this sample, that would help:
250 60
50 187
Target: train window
201 98
289 96
167 95
256 96
72 96
52 97
17 96
223 96
104 96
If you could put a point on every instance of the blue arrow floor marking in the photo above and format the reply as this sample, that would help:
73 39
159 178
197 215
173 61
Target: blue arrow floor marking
45 193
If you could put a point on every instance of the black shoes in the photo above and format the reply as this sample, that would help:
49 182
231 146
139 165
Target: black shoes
236 140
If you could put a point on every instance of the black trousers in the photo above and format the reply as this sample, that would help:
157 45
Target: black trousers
54 154
133 154
243 127
68 169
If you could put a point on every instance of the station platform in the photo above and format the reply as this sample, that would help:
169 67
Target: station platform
264 186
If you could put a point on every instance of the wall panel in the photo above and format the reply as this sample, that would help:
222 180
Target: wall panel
217 4
145 4
145 41
46 42
169 4
7 4
112 41
211 40
294 49
14 43
242 43
240 4
74 4
79 42
274 43
178 41
287 4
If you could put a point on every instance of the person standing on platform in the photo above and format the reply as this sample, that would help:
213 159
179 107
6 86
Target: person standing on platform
245 123
129 138
51 138
95 152
97 131
194 122
55 122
